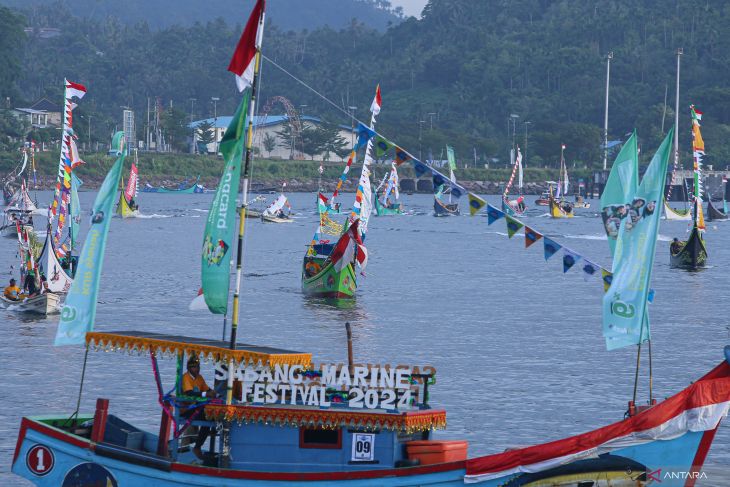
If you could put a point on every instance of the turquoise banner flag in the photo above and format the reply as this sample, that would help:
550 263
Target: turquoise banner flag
75 213
621 186
79 311
625 316
451 157
215 265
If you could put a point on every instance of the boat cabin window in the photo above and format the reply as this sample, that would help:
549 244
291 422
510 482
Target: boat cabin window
320 438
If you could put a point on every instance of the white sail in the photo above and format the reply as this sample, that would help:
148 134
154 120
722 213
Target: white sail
278 204
58 280
519 169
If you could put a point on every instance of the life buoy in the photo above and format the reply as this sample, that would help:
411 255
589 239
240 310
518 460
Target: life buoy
311 268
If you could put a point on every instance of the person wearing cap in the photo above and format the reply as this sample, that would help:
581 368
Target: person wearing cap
12 291
194 385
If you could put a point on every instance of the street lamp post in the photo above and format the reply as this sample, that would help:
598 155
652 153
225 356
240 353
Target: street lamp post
524 149
513 117
431 116
605 113
215 121
420 129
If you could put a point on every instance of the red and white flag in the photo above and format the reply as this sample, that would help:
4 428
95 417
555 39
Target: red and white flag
244 57
347 245
198 303
377 102
74 89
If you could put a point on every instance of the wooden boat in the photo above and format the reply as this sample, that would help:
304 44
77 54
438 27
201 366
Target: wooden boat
9 228
514 207
392 209
127 207
580 202
675 214
559 206
560 209
445 209
181 189
275 212
320 278
691 253
391 183
713 213
125 210
44 304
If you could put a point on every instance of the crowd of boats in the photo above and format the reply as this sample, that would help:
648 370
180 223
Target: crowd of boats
275 416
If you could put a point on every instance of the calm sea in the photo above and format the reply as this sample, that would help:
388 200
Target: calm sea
516 342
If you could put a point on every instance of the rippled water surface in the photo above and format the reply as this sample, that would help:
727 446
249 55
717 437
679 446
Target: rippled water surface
517 343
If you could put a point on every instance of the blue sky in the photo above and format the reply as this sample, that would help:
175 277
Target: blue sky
410 7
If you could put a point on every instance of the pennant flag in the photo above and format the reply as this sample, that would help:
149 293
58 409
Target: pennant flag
79 311
620 188
589 268
475 204
493 214
569 259
513 225
401 156
420 168
625 314
74 89
382 145
377 102
607 278
244 57
364 134
348 248
550 246
215 260
531 236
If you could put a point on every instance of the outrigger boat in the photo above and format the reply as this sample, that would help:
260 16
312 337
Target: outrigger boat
560 207
275 213
514 207
692 254
127 206
386 206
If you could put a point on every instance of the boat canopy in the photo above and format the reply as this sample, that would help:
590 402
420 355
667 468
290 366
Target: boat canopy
173 345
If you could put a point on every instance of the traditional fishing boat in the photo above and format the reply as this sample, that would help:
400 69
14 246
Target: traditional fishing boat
560 207
514 207
276 213
182 188
20 205
44 304
383 204
713 213
544 199
692 254
127 206
441 188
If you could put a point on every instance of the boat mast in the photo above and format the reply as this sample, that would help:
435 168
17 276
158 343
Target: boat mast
676 123
242 213
605 113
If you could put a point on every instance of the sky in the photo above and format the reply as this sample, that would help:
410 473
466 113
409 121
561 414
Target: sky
410 7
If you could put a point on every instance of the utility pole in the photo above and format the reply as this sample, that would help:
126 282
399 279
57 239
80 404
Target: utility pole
605 113
420 129
215 121
524 149
352 118
513 117
431 116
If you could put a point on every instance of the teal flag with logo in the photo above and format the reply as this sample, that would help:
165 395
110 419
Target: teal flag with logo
75 212
625 316
219 229
450 156
621 185
79 311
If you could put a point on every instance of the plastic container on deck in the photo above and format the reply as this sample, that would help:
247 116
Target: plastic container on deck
433 451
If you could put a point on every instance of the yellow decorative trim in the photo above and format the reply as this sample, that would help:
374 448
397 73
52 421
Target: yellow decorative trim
408 422
132 344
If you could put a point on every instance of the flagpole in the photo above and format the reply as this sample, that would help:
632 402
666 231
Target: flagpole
605 113
676 117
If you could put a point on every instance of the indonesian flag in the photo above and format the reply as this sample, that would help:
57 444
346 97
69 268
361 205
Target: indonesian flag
198 303
244 57
344 251
377 102
74 89
323 199
562 146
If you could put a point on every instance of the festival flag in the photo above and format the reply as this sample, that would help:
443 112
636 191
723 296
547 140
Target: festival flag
364 134
623 180
420 168
198 303
401 156
625 318
550 247
531 236
348 248
221 223
382 145
74 90
79 310
606 277
475 204
589 268
493 214
377 102
451 157
569 259
513 225
244 57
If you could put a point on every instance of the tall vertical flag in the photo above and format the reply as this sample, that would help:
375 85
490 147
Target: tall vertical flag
625 319
363 206
79 311
621 186
219 228
377 102
244 57
698 152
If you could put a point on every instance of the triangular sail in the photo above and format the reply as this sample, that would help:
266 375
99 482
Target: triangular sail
278 205
58 279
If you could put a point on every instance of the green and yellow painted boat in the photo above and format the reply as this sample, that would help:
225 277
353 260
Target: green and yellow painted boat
392 209
320 278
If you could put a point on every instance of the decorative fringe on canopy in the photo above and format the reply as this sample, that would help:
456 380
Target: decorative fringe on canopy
408 422
131 344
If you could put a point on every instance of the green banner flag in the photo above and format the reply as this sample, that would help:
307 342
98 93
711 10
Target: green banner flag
382 145
451 157
79 311
219 229
625 316
621 185
75 213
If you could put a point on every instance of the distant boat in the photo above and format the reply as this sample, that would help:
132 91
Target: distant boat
560 207
127 206
276 212
441 207
386 206
517 206
182 188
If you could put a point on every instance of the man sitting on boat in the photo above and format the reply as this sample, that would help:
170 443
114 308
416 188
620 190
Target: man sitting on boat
676 246
194 385
521 204
133 205
12 291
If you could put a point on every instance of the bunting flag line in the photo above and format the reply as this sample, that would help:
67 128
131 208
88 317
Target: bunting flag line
493 214
513 225
401 156
569 259
589 268
607 277
550 247
531 236
475 204
382 145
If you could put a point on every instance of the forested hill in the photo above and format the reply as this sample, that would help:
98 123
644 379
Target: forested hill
454 76
286 14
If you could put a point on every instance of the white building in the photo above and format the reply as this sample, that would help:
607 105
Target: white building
269 126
